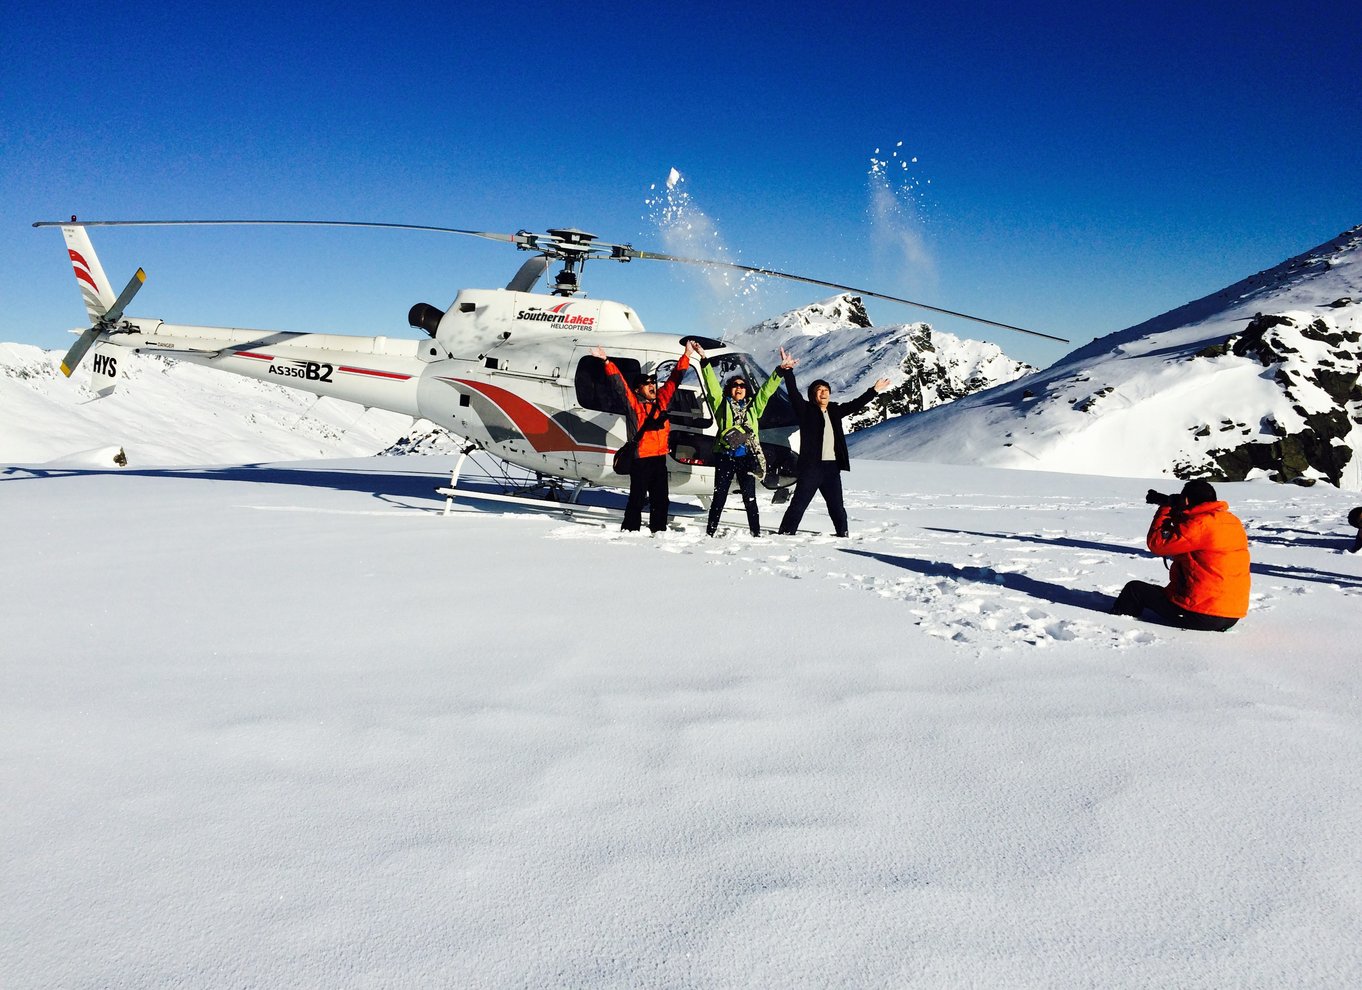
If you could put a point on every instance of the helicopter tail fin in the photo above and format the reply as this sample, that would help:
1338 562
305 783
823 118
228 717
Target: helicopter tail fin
104 369
94 285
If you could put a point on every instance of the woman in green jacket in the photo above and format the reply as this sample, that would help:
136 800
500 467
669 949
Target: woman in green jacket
737 449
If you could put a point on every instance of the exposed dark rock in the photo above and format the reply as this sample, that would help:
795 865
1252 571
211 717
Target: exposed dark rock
1088 405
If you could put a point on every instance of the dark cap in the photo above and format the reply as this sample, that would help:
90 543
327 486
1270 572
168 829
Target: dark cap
1197 492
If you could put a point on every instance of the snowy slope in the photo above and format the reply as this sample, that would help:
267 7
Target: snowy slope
1257 380
834 340
168 412
294 728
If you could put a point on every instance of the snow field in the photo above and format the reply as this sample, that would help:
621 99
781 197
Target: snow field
291 725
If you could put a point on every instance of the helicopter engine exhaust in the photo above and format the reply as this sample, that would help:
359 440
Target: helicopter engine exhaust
424 316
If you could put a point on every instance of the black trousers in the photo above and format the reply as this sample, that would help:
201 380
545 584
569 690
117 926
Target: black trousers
725 468
1137 596
647 483
821 478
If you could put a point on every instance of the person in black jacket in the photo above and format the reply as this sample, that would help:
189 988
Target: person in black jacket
822 447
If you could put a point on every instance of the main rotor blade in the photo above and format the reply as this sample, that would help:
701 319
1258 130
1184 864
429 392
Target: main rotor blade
507 238
653 256
121 303
78 349
553 244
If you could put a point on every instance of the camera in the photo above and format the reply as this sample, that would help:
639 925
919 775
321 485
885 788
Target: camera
1177 503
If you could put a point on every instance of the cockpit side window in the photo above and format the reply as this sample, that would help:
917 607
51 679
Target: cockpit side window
596 390
688 406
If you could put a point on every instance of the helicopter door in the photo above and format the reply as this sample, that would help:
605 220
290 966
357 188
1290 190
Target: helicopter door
597 392
690 418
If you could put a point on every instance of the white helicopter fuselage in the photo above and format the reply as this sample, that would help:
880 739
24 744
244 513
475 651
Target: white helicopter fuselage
512 372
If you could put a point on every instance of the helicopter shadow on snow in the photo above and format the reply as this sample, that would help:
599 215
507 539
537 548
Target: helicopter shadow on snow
1043 590
386 486
397 488
1255 567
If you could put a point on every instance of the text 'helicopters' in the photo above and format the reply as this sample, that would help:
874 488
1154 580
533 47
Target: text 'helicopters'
509 371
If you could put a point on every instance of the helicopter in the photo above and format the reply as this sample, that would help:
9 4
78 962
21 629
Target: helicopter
508 371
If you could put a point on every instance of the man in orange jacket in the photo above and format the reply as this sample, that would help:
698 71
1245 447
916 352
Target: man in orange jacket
651 432
1208 585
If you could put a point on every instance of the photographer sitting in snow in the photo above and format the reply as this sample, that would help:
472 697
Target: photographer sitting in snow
1208 585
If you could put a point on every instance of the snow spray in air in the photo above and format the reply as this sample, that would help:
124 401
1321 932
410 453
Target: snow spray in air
731 298
897 212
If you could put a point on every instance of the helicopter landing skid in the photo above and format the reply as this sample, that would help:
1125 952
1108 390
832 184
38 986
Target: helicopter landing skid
600 512
551 495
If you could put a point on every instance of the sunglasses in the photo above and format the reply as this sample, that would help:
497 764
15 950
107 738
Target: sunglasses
737 385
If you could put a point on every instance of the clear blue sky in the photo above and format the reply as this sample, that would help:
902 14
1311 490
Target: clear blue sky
1078 169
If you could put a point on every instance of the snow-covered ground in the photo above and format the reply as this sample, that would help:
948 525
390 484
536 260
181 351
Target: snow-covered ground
290 725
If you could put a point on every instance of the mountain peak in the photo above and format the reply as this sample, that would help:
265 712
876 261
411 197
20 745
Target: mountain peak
833 339
815 319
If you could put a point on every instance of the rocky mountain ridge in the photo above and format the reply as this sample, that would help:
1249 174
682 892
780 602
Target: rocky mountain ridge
835 340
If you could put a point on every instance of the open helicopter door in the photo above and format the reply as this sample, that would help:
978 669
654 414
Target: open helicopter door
692 426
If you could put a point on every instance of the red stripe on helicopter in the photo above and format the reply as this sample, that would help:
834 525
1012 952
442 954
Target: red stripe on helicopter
544 434
82 268
252 354
83 276
393 375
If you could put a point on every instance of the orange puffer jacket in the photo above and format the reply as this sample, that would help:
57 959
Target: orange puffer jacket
651 443
1210 571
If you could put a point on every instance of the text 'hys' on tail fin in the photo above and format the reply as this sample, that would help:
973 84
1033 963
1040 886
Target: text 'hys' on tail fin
94 285
104 368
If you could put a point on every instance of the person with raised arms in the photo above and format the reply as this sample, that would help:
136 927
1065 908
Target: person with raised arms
822 447
650 433
737 408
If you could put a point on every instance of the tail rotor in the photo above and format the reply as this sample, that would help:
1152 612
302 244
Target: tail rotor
105 310
102 324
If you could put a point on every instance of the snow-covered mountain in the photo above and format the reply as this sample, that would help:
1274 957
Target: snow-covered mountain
835 340
167 412
1259 379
